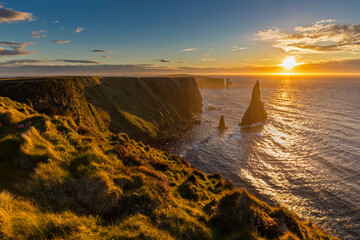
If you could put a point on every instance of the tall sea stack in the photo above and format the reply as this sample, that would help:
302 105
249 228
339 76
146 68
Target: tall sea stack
255 112
222 125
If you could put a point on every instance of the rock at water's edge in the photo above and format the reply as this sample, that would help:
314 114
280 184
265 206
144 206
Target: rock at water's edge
222 125
255 112
228 83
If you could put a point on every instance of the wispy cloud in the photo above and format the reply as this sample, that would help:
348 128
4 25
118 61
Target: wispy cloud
100 51
38 34
22 62
206 59
237 48
14 49
38 69
189 49
79 29
10 15
162 60
323 36
105 56
82 69
325 21
78 61
60 41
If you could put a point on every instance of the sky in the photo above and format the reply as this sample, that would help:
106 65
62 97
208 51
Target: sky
118 37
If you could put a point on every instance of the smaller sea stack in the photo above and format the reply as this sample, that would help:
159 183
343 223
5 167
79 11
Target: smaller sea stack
255 112
222 123
228 83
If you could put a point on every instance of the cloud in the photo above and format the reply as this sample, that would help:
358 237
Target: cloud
105 56
100 50
14 49
82 69
325 21
38 34
56 21
162 60
60 41
206 59
22 62
237 48
79 29
36 69
323 36
78 61
189 49
9 15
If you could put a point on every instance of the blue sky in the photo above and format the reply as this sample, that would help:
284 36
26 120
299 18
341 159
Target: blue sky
217 34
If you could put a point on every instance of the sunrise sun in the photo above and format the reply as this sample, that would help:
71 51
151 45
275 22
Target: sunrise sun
289 63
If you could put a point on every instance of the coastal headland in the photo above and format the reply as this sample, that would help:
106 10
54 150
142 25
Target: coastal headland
73 165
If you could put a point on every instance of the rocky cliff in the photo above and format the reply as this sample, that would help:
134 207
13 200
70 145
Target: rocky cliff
255 112
203 81
147 109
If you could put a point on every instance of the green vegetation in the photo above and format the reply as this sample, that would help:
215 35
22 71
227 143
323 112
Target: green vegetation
141 107
59 180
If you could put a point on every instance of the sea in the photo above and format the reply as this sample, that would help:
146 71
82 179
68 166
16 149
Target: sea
305 157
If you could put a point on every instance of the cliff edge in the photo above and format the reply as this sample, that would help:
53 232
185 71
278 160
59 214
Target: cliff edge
152 110
204 82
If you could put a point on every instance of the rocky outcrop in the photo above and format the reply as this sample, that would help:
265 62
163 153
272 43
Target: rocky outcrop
228 83
63 96
147 109
222 125
255 112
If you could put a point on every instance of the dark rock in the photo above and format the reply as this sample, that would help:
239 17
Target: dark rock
255 112
228 83
222 123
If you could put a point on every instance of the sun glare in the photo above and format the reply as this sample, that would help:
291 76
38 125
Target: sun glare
289 63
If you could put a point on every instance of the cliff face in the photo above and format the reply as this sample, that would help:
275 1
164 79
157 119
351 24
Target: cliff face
204 82
56 96
144 108
255 112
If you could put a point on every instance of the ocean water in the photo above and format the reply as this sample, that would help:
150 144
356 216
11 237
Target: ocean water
305 157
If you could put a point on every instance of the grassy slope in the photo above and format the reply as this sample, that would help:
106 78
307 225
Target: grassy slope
62 181
122 104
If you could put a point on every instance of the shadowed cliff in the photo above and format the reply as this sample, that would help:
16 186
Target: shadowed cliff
204 82
152 110
255 112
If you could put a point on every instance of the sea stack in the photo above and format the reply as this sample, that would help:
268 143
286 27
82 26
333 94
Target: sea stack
255 112
222 123
228 83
